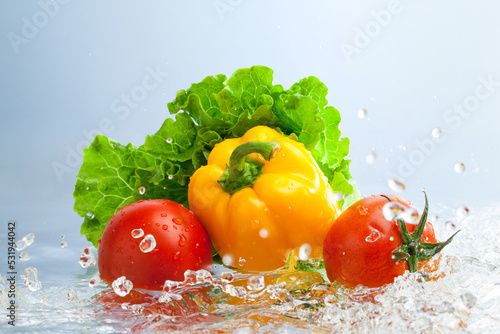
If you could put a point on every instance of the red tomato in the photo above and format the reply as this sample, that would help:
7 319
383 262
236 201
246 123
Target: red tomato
360 245
127 246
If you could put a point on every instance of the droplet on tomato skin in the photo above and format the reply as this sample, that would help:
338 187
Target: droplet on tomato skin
164 227
392 210
304 252
163 214
391 238
148 243
177 221
176 255
122 286
137 233
182 240
374 236
362 210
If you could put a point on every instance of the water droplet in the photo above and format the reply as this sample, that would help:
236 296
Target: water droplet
30 278
459 168
20 245
392 210
450 226
170 285
142 190
391 238
23 256
256 283
170 176
227 277
241 262
90 215
87 258
122 286
437 132
169 140
137 233
94 281
433 218
374 236
462 211
228 259
403 147
63 236
176 255
330 300
64 244
148 243
304 251
410 216
177 221
396 185
189 277
182 240
72 295
163 214
164 227
264 233
338 196
362 210
371 157
362 113
203 276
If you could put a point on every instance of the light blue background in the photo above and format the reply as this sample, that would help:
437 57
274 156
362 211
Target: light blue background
68 76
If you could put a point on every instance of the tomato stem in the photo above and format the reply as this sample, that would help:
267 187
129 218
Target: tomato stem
414 250
242 171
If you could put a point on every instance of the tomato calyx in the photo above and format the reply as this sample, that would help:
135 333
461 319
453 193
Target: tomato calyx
414 250
242 171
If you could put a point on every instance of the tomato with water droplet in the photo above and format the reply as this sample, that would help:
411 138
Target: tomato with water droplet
144 262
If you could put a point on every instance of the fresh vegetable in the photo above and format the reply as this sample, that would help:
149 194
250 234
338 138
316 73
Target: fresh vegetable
151 241
363 247
215 109
259 197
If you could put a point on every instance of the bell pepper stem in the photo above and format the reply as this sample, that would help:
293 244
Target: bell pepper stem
242 171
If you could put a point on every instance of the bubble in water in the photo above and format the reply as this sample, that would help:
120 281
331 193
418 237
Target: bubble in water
72 295
63 236
433 218
87 258
241 262
256 283
148 243
462 211
30 278
23 256
228 259
374 236
362 113
94 281
227 277
122 286
169 140
263 233
459 168
137 233
371 157
403 147
396 185
304 252
142 190
392 210
437 132
64 244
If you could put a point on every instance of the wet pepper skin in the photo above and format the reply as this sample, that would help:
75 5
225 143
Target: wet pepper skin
290 204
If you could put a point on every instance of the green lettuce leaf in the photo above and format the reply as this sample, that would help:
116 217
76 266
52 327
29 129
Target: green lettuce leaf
113 175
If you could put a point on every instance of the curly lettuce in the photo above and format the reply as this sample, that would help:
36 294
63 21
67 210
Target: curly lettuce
114 175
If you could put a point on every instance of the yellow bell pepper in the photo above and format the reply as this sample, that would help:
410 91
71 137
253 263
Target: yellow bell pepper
257 211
